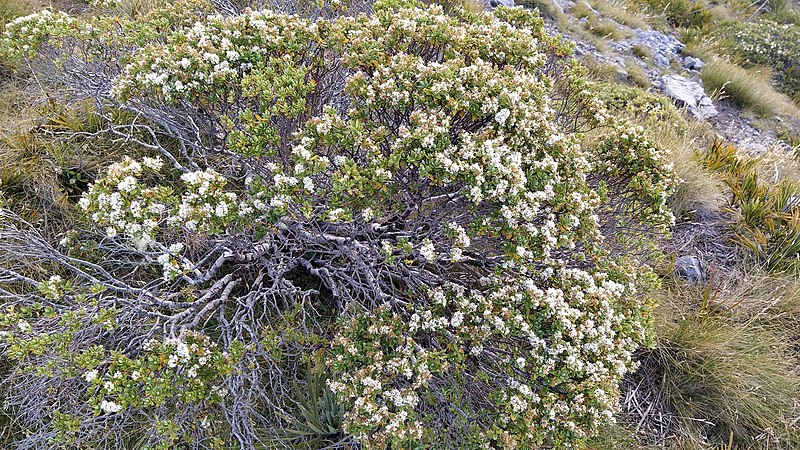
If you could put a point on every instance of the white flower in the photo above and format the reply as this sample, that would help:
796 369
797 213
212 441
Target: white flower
221 210
518 404
458 319
502 116
110 407
23 326
308 184
427 250
153 163
90 375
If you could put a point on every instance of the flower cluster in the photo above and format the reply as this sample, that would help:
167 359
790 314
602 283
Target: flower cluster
205 206
630 156
383 369
124 204
173 373
211 54
121 204
24 35
550 352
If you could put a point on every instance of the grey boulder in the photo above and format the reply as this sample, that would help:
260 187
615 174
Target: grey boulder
689 268
689 93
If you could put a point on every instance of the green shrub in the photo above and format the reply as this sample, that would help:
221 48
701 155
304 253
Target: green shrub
404 193
773 45
644 107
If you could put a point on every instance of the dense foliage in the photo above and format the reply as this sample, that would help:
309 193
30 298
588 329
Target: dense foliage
773 45
401 194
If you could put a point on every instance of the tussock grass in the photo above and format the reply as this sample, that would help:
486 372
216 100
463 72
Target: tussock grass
621 12
698 189
597 25
642 52
139 8
729 380
614 436
9 9
746 89
637 75
583 10
601 71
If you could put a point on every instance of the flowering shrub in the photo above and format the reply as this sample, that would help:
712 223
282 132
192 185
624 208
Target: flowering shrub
774 45
403 191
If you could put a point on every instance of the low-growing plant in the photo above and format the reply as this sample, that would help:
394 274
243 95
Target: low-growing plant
767 217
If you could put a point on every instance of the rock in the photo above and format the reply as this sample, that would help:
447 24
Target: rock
663 46
622 74
689 268
492 4
691 63
689 93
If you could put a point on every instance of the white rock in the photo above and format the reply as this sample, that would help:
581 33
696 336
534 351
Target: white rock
689 268
693 63
689 93
492 4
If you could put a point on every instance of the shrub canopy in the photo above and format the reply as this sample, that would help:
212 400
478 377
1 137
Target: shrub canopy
396 203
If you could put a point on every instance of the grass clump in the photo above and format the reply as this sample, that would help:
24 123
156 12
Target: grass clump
642 52
731 383
745 88
10 9
597 25
637 75
682 13
621 13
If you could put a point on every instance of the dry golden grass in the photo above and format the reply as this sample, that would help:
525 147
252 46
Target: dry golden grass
729 376
748 89
637 75
698 189
622 13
